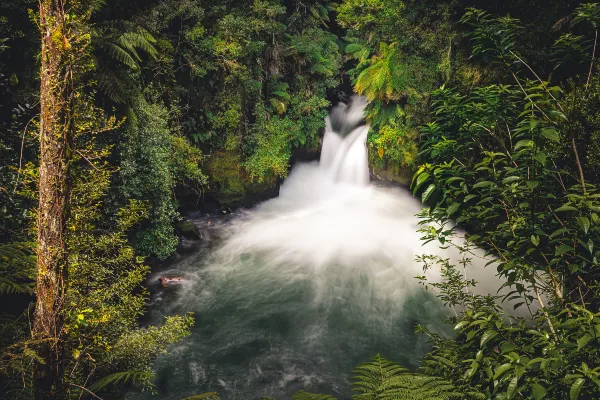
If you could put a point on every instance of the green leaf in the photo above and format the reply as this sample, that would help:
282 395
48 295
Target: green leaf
353 48
550 133
582 341
541 158
535 240
558 232
421 179
452 209
501 370
487 336
523 143
566 208
584 223
562 249
482 184
576 388
512 387
532 184
461 325
428 192
510 179
538 391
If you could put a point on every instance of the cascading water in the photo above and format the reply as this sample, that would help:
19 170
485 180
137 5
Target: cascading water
304 287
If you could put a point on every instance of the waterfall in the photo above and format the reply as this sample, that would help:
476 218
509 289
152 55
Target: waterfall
302 288
344 152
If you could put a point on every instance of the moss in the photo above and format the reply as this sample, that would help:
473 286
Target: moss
231 183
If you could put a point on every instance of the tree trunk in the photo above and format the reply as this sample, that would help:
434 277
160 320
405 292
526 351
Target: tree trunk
56 92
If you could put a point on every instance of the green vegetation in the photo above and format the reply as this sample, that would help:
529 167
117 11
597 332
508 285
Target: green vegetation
164 104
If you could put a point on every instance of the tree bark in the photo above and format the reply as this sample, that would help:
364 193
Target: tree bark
56 95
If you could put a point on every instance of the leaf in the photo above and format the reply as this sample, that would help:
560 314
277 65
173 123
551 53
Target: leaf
501 370
576 388
541 158
353 48
461 325
532 184
487 336
558 232
512 387
584 223
562 249
511 179
428 192
538 391
421 179
452 209
524 143
482 184
550 133
582 341
566 208
535 240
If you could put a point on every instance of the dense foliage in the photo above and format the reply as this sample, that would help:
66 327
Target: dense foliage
512 162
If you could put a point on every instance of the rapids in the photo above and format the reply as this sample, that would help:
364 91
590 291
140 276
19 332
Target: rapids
296 292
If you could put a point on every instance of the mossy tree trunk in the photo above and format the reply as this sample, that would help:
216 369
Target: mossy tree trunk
56 127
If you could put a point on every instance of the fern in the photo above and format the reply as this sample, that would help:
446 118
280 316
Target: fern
125 47
204 396
381 379
301 395
17 269
121 378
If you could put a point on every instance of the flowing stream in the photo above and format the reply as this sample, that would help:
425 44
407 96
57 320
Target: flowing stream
296 292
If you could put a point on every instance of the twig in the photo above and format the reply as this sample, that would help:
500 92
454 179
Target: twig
592 63
550 325
538 78
21 156
579 168
90 392
86 159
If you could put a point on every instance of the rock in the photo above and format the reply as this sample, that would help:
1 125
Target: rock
165 280
188 230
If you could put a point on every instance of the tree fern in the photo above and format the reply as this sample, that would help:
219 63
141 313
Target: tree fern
381 379
376 81
124 47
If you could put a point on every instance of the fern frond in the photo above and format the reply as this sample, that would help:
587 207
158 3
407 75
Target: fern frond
301 395
121 377
8 287
120 54
17 268
204 396
381 379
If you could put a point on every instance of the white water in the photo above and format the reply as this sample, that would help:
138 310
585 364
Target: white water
328 214
307 285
